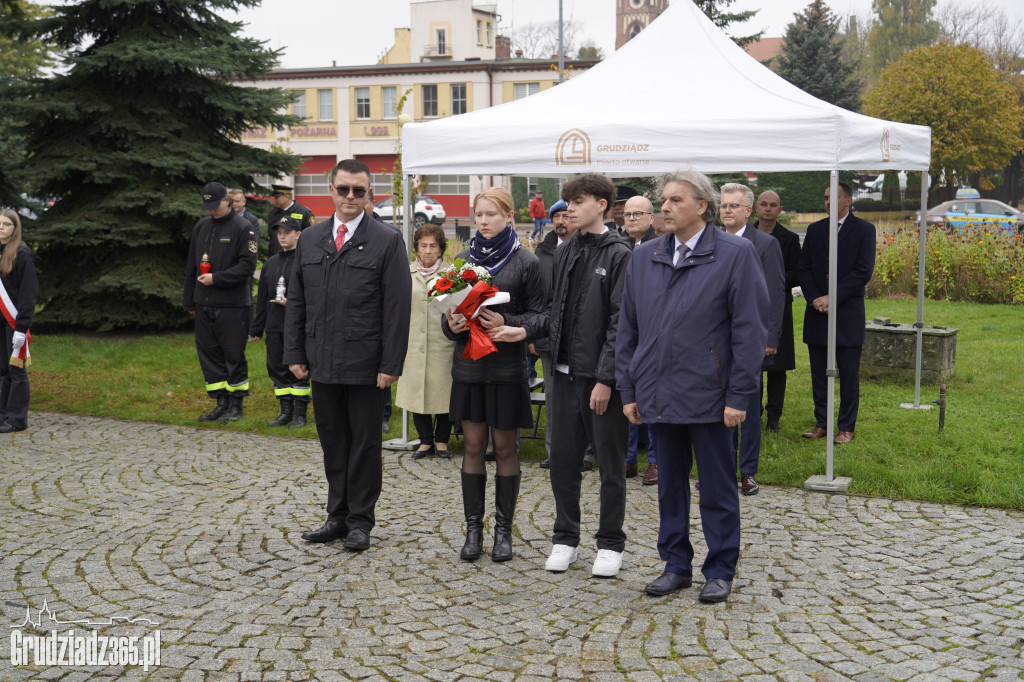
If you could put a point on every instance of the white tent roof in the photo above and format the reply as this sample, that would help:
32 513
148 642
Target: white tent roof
679 95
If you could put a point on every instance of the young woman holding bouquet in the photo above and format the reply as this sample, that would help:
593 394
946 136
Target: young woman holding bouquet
491 394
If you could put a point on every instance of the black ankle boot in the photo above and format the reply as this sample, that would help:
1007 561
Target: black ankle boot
506 493
214 414
473 487
234 411
299 414
287 407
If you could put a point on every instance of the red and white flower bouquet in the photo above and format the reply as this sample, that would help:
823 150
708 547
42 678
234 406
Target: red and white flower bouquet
466 289
455 283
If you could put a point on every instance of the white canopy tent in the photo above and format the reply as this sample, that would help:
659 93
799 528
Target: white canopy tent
685 96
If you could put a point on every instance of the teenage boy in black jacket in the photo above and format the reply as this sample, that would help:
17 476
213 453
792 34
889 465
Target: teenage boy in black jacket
583 315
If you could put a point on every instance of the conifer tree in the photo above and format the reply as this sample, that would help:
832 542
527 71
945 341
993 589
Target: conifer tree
812 58
143 114
717 11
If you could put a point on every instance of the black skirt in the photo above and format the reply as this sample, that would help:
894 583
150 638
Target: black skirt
500 406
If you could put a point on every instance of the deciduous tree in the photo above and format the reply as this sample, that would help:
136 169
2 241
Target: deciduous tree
812 58
900 25
145 111
975 115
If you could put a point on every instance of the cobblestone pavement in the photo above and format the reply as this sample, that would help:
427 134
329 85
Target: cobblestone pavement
198 529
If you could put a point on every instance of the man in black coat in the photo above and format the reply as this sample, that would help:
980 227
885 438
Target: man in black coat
769 206
856 263
285 206
217 291
347 328
737 203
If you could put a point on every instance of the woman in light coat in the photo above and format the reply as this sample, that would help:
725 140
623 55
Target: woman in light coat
426 383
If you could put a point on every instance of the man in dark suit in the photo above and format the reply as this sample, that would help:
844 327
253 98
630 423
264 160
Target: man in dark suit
238 203
639 216
856 263
686 362
737 203
347 327
769 206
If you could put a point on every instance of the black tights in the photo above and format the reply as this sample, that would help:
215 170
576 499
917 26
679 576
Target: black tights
474 437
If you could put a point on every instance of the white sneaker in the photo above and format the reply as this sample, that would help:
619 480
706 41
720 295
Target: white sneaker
607 563
560 559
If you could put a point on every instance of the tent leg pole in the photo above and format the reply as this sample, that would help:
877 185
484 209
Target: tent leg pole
919 325
404 443
828 483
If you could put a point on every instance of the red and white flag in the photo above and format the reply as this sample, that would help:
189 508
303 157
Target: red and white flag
20 357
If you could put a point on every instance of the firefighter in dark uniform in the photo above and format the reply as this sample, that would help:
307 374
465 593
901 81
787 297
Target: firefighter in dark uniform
285 206
221 260
271 300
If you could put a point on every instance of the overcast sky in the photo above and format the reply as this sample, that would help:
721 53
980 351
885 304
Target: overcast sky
317 32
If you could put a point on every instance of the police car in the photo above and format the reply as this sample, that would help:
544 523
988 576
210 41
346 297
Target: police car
969 210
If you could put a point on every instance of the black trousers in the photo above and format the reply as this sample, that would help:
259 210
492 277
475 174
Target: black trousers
775 383
432 428
14 393
848 366
573 425
348 419
286 385
221 334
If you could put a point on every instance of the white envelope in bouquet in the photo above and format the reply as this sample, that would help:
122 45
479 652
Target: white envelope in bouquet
446 302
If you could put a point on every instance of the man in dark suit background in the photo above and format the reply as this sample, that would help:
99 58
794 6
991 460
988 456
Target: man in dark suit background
737 203
347 328
856 263
769 206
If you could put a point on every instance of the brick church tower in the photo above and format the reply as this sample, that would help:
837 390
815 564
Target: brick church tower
632 16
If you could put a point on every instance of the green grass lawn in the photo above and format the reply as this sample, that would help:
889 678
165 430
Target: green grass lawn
978 459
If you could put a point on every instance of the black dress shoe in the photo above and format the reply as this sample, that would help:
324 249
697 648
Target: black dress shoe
666 583
331 530
357 540
773 424
715 590
442 454
9 428
420 454
546 464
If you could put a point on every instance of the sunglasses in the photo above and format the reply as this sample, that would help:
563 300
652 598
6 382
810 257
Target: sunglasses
343 190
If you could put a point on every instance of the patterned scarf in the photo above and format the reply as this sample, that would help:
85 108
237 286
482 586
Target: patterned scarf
494 253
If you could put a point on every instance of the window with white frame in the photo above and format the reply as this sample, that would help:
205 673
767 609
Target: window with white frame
447 184
490 34
523 90
326 103
312 184
299 105
389 102
429 100
362 104
458 98
479 32
381 183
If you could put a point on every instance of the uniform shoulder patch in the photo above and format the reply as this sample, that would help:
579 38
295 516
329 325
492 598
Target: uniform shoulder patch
252 247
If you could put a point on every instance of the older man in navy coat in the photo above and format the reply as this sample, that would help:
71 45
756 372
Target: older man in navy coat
737 204
686 363
856 263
